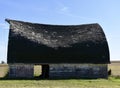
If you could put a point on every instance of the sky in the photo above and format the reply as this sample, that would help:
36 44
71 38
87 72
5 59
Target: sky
63 12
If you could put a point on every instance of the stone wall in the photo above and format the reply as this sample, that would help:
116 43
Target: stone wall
78 71
21 71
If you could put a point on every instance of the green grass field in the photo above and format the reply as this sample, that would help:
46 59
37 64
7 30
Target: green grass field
69 83
112 82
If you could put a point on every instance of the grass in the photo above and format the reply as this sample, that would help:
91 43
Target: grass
112 82
69 83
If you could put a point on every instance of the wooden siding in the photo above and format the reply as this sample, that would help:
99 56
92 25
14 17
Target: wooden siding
78 71
21 71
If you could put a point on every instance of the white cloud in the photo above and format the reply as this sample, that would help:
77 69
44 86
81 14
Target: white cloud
3 53
4 26
61 8
3 43
66 10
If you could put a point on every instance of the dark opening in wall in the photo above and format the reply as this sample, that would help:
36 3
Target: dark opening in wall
45 71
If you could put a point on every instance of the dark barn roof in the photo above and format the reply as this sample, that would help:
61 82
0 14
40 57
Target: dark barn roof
43 43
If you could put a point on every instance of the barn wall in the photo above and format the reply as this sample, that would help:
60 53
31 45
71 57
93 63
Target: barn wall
21 70
78 71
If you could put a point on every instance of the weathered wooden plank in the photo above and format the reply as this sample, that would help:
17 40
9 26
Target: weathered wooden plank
21 70
78 71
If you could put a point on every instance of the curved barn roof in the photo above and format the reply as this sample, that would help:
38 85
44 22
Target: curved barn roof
43 43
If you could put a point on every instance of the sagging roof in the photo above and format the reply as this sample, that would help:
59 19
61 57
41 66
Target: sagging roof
44 43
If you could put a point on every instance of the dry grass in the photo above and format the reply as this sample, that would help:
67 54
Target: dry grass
37 70
3 69
115 68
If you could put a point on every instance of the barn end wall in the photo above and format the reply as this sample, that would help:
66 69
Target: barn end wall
21 71
78 71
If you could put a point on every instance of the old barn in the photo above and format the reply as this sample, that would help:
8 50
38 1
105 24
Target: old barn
64 51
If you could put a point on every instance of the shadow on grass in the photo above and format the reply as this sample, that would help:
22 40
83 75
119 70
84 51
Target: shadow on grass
6 77
41 78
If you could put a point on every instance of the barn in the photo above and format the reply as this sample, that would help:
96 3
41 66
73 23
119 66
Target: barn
63 51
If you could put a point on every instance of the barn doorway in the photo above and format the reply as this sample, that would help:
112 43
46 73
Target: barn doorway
41 71
45 71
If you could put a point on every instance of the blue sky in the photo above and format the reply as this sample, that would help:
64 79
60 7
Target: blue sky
104 12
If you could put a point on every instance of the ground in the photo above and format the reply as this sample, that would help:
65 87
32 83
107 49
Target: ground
69 83
112 82
115 68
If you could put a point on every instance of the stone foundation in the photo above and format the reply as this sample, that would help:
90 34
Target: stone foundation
78 71
21 71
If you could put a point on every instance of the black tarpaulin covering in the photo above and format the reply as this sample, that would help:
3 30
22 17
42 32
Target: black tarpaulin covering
43 43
